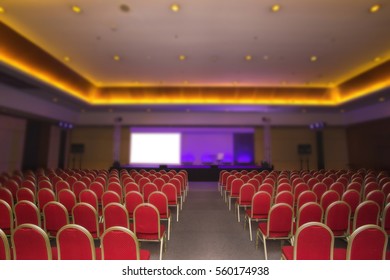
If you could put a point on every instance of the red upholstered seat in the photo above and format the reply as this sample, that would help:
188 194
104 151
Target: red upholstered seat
55 216
160 201
115 214
5 252
337 218
261 204
247 191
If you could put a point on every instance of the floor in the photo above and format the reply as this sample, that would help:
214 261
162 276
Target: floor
207 230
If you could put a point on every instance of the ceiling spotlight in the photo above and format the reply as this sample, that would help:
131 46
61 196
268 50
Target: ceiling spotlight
375 8
116 57
66 58
248 57
313 58
275 8
124 8
76 9
377 59
175 8
182 57
2 10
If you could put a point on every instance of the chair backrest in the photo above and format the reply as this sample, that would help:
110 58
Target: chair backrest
55 216
247 191
77 187
44 196
6 195
119 243
261 204
98 189
338 217
29 184
6 217
386 188
132 200
159 183
284 187
370 187
109 197
357 186
298 189
386 219
116 187
319 189
60 185
12 186
5 252
309 212
146 220
115 214
313 241
235 187
266 187
312 181
26 212
378 196
367 212
86 216
90 197
305 197
131 186
75 242
30 242
337 187
280 220
142 181
368 242
25 194
285 197
160 201
67 198
328 197
170 191
352 197
151 187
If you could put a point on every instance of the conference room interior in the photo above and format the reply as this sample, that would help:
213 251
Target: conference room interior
76 92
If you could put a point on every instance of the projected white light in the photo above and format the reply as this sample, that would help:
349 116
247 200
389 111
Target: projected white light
155 148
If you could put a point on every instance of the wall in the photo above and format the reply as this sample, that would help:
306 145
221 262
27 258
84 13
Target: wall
369 145
336 148
12 133
54 147
98 147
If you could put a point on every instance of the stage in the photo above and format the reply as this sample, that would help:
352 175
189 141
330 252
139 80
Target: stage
198 172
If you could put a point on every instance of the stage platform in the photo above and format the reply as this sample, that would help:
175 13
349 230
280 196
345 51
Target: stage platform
197 173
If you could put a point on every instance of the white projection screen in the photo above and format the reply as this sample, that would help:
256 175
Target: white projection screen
155 148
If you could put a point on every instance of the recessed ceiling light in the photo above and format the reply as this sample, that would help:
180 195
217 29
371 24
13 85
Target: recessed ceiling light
313 58
116 57
265 57
2 10
381 99
377 59
248 57
375 8
182 57
66 58
175 8
76 9
275 8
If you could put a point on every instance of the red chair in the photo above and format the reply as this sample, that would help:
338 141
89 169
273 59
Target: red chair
12 186
44 196
109 197
245 197
328 181
368 242
142 181
234 190
117 188
115 214
131 186
284 187
312 241
305 197
266 187
277 227
45 184
147 226
285 197
337 218
98 189
377 196
328 197
371 186
77 187
71 180
227 188
132 200
55 216
61 185
366 213
170 191
6 195
6 217
386 219
357 186
119 243
68 199
75 242
148 189
312 181
298 189
29 184
337 187
308 212
179 184
25 194
5 252
30 242
386 188
260 206
319 189
352 197
90 197
86 216
160 201
27 212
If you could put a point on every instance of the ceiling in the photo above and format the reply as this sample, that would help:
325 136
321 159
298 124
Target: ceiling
218 52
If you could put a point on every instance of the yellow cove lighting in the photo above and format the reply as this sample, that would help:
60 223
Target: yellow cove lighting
76 9
375 8
175 8
275 8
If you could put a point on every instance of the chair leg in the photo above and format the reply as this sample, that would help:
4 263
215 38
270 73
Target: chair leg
238 213
250 228
177 213
169 227
230 203
161 247
265 247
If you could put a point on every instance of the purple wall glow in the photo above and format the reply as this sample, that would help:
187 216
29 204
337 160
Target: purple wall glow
202 145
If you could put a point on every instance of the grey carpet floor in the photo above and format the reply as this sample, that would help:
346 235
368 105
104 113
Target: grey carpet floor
207 230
